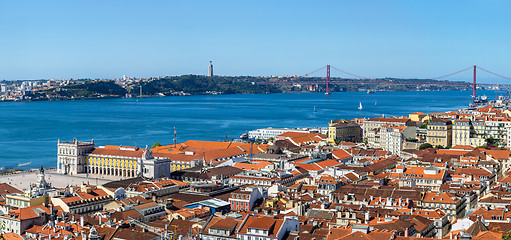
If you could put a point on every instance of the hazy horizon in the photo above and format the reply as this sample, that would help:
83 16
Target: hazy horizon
375 39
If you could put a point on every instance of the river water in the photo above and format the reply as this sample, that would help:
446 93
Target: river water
29 130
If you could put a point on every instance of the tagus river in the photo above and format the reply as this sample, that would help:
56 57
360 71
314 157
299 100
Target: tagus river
29 130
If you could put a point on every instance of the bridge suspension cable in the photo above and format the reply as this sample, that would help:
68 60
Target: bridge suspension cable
474 67
351 74
450 74
436 78
498 75
317 70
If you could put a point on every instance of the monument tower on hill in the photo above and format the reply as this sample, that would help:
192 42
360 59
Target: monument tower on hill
210 69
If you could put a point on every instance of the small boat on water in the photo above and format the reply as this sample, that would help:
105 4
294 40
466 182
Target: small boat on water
24 164
370 91
360 106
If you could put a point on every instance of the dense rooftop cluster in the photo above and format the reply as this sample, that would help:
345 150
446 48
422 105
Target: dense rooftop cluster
384 184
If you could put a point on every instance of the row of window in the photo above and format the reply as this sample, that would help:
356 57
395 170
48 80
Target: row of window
237 203
109 162
86 209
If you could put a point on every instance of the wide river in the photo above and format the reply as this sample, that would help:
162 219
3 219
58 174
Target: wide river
29 130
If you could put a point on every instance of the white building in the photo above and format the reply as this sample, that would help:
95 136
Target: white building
120 161
474 133
71 156
266 133
393 137
373 129
23 218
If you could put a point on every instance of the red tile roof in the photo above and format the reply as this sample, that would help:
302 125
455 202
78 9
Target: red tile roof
341 154
8 189
262 223
123 151
390 119
438 197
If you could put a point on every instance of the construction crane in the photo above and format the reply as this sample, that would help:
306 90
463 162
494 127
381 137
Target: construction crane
508 92
163 233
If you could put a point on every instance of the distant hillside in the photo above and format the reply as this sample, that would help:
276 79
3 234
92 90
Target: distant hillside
86 90
97 88
195 84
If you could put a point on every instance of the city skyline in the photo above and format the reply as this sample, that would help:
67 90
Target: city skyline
55 40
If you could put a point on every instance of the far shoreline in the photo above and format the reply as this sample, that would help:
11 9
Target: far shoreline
205 94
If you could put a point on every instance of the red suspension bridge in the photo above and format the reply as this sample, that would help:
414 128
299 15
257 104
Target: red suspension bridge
474 68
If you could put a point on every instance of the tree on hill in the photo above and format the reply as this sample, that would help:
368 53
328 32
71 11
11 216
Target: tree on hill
195 84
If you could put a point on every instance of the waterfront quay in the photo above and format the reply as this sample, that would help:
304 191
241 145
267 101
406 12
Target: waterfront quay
22 180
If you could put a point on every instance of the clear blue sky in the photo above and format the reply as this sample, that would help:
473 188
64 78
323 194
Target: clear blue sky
107 39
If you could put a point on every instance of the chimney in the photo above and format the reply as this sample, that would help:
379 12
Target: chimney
100 218
406 232
81 221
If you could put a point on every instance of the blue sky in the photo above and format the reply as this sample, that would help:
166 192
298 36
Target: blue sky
107 39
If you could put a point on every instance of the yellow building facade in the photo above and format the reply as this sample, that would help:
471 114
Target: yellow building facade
114 166
439 132
418 117
25 200
344 130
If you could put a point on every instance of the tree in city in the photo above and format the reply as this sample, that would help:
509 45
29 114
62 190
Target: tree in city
491 142
425 146
156 145
506 236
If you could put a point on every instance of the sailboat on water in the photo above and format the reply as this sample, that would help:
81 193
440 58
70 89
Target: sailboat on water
360 106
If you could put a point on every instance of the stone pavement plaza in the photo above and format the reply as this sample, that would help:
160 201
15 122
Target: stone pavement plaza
23 180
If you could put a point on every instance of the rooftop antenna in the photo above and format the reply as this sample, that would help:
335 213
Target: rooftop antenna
175 137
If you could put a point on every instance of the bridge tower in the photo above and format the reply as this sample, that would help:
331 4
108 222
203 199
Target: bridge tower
474 84
327 80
